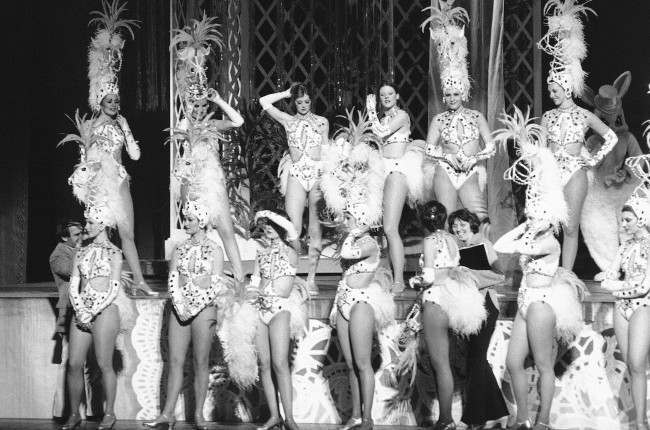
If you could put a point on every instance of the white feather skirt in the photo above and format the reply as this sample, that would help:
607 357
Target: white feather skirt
461 300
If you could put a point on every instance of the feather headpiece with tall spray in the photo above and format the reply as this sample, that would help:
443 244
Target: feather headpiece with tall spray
193 44
565 42
105 51
447 30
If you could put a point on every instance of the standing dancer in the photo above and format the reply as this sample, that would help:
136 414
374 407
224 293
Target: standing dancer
100 309
282 311
193 44
567 124
402 169
632 315
196 283
454 136
550 296
110 130
352 187
300 168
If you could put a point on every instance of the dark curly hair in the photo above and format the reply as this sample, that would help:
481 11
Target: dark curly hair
467 216
433 216
257 227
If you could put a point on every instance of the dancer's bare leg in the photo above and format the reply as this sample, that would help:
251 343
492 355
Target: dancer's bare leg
202 334
78 347
315 243
395 190
540 326
444 190
436 329
343 335
105 329
637 360
127 237
517 353
263 347
575 192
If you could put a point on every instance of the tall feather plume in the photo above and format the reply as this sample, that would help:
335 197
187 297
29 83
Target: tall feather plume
200 34
109 18
564 40
521 128
105 50
84 138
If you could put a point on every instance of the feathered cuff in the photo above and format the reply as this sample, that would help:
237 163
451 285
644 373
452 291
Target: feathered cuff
610 140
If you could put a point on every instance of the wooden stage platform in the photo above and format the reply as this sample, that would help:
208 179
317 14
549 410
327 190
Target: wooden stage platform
28 424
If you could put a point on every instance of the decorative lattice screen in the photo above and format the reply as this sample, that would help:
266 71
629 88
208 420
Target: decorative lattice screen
522 60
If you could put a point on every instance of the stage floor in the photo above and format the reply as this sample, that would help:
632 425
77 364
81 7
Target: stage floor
131 424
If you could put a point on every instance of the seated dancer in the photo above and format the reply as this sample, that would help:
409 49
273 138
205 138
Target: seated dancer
352 187
282 311
549 298
632 261
192 44
101 309
300 168
451 300
483 399
402 169
110 133
454 136
566 125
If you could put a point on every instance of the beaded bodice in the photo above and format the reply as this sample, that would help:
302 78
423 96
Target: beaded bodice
305 133
443 256
458 128
94 260
274 261
401 135
566 126
633 256
109 137
195 258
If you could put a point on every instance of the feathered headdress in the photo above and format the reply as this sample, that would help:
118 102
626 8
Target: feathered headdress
192 45
199 169
565 42
105 51
536 168
447 30
639 201
352 179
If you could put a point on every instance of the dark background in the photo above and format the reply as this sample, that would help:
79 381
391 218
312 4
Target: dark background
45 57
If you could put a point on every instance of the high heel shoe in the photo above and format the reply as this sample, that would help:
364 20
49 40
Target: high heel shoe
200 423
142 289
160 422
290 425
366 424
522 425
397 288
271 425
541 426
108 422
73 422
352 423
